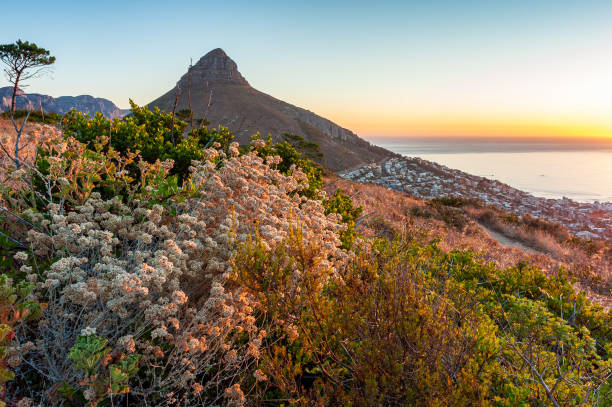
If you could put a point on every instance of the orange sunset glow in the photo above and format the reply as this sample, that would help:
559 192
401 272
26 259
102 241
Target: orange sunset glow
479 127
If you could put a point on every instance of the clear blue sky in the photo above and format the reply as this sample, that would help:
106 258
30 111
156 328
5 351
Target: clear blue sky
394 67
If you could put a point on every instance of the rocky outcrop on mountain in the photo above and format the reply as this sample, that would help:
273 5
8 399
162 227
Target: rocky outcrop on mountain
215 67
84 103
219 93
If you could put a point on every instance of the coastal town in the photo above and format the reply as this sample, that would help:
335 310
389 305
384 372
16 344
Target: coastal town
425 179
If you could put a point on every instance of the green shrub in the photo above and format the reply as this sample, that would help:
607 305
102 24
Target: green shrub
103 374
291 156
455 202
308 149
407 324
183 114
153 134
16 308
437 209
342 204
67 172
35 116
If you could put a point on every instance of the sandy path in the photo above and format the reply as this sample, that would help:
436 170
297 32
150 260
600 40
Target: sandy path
508 242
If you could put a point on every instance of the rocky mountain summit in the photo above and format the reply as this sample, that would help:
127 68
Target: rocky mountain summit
220 93
215 67
83 103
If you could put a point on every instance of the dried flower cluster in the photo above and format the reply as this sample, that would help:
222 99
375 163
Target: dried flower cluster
157 280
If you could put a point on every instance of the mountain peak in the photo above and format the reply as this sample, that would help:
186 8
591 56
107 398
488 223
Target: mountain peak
223 97
217 52
216 67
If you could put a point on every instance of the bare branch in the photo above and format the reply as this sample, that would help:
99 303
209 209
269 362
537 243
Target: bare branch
17 242
539 377
19 131
176 98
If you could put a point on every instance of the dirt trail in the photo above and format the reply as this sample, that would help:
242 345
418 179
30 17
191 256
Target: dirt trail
506 241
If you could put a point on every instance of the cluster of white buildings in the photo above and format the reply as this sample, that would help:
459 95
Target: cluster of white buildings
426 179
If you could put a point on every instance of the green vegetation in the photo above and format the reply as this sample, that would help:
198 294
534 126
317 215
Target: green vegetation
411 325
455 202
342 204
167 267
310 150
103 374
16 308
184 114
154 134
34 116
293 157
445 209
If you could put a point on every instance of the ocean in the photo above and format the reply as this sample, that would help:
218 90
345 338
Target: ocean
548 168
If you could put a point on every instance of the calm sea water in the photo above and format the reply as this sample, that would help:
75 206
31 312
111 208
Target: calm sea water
580 170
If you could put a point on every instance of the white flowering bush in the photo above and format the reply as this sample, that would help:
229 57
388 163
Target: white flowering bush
156 281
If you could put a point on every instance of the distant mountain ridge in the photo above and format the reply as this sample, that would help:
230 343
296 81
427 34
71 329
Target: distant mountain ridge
223 96
63 104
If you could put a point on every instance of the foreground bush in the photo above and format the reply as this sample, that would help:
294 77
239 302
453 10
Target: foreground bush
153 285
406 324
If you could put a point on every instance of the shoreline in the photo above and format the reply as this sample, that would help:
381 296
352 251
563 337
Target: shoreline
427 179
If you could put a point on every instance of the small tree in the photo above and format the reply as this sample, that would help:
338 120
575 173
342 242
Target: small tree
23 61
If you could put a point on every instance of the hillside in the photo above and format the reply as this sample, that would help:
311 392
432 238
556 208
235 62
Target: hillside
492 232
83 103
223 276
223 96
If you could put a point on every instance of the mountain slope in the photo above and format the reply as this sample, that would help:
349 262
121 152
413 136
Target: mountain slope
221 94
83 103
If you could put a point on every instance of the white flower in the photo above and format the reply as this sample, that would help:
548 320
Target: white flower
21 256
88 331
127 343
